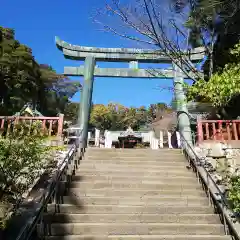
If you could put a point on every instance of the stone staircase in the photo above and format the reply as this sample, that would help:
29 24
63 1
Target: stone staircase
134 194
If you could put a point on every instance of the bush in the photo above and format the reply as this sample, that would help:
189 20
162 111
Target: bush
22 159
140 145
234 193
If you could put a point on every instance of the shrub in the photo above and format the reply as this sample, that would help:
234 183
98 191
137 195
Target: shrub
22 159
140 145
234 193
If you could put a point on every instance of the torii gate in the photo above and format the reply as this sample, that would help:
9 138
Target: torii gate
134 56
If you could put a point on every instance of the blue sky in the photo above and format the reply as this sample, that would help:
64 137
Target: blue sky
36 23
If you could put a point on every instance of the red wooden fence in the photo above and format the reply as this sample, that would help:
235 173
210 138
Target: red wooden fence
218 130
48 123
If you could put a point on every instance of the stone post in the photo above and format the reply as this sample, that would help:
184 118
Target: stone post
80 108
86 98
97 137
181 104
200 130
60 125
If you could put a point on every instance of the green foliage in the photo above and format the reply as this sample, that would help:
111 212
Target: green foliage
140 145
71 112
213 24
23 80
222 86
234 193
100 116
23 156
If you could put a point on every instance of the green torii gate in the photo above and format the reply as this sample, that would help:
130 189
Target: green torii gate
134 56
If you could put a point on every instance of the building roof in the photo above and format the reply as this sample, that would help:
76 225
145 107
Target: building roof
28 109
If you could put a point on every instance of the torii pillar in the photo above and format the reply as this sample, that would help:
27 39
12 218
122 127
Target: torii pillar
86 99
181 104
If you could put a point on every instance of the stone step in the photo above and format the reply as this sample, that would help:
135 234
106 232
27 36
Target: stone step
140 237
135 192
168 172
133 218
133 151
142 173
142 170
135 158
133 179
76 207
134 201
139 182
136 229
133 163
135 166
127 185
146 154
136 154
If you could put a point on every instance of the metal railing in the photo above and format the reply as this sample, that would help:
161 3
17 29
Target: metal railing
215 195
51 195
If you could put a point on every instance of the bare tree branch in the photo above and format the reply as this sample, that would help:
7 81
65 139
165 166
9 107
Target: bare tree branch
151 27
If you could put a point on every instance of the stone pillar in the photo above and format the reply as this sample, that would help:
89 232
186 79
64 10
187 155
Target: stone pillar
181 105
89 137
86 98
161 139
97 137
60 125
80 108
169 134
178 139
200 130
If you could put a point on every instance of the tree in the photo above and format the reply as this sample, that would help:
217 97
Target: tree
222 91
100 117
18 72
55 92
23 80
71 112
214 24
222 86
156 110
117 114
116 117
